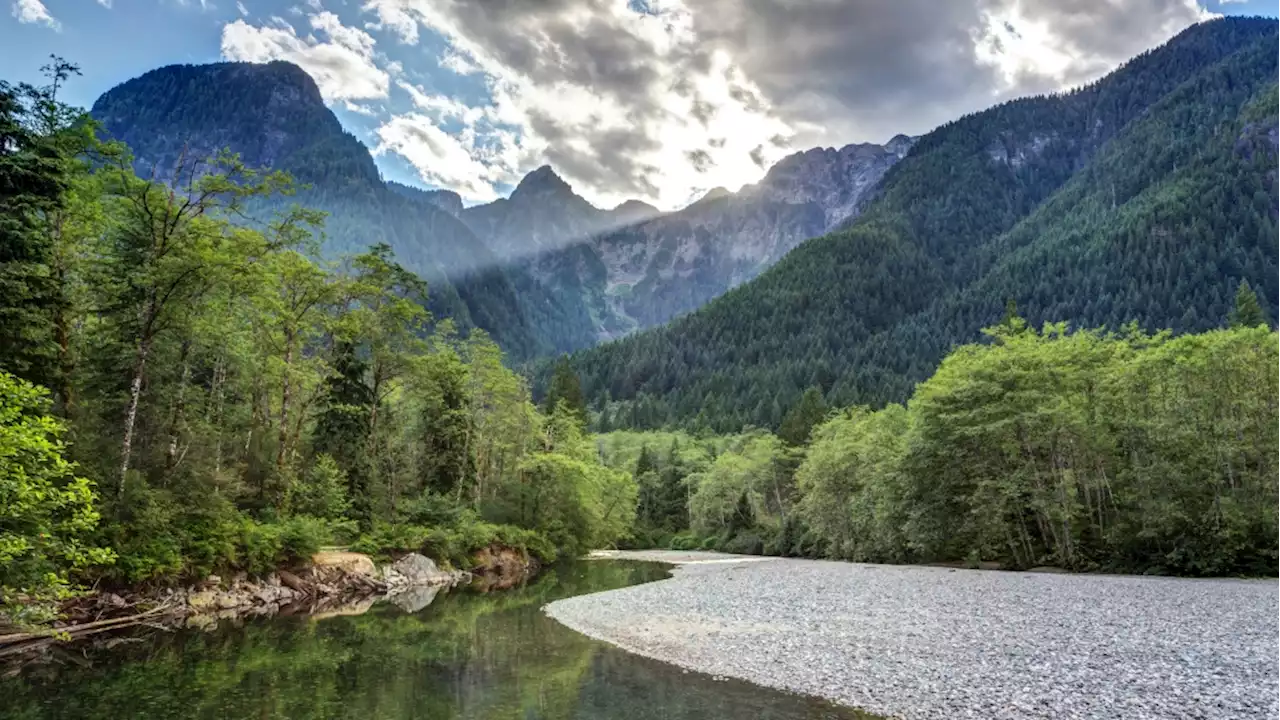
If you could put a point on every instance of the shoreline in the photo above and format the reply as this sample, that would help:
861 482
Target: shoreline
929 642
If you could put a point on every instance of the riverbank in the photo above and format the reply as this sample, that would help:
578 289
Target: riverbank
333 582
925 642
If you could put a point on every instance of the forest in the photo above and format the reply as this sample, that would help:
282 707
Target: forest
1079 449
188 388
1147 195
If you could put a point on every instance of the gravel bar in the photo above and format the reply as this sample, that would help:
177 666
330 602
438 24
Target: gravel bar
927 642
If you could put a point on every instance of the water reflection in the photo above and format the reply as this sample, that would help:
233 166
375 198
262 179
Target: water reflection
461 655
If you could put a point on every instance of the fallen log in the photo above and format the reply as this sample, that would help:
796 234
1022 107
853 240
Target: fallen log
82 629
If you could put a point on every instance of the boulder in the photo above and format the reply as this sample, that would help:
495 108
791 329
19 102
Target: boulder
419 570
356 563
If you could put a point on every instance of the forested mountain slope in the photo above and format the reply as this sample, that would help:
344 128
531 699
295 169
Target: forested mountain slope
274 117
1145 196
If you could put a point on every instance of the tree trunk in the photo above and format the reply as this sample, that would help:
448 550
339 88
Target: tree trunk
131 415
286 392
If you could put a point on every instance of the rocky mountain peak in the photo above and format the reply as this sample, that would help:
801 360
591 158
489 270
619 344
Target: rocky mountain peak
543 181
714 194
634 211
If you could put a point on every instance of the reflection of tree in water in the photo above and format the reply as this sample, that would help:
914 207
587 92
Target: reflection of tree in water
478 657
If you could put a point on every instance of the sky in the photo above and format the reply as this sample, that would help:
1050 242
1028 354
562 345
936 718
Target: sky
658 100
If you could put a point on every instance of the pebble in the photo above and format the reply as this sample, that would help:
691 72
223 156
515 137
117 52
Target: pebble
920 643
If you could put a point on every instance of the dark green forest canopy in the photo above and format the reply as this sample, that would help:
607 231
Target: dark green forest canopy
1147 196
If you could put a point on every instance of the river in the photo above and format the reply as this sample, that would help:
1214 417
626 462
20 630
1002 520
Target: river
466 655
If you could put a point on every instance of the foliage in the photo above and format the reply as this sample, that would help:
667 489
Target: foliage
565 388
47 513
1081 449
1247 312
244 401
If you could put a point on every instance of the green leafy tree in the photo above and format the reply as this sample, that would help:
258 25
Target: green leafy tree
47 514
322 491
342 426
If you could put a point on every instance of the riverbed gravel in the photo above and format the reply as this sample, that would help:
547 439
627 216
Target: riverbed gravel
926 642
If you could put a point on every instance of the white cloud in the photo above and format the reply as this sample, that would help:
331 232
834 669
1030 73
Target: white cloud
34 11
244 11
622 103
657 99
441 158
343 64
105 3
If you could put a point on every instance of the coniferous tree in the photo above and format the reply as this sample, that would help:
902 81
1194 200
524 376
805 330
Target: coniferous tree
32 183
799 422
1246 312
566 388
342 428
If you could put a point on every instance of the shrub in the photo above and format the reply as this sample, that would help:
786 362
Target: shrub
46 512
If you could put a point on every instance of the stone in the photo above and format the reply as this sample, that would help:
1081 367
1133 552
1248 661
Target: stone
420 570
350 562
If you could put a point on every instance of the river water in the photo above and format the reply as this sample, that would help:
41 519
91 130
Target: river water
465 655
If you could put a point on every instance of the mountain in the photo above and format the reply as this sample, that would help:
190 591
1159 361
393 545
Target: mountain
542 214
1146 196
273 115
632 267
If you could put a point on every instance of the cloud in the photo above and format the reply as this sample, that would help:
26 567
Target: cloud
622 103
655 99
340 58
244 11
441 158
105 3
34 11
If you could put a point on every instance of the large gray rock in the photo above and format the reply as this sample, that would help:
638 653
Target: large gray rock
419 570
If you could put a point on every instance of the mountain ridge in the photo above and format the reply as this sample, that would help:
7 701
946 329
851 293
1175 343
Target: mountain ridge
1080 181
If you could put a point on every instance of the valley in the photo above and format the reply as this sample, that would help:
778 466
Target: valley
980 421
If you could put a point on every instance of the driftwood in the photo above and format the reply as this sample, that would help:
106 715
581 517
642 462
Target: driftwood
294 583
89 628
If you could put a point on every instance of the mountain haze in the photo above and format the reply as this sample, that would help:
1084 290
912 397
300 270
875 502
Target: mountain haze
633 267
273 115
543 270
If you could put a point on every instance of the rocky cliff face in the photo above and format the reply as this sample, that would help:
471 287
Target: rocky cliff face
633 267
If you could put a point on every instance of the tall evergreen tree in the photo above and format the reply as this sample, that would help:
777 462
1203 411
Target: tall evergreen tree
1247 312
32 182
566 388
342 428
799 422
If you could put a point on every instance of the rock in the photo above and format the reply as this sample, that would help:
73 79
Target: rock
114 601
420 570
350 562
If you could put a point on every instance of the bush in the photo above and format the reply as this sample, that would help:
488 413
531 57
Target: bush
744 543
46 512
453 545
687 540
